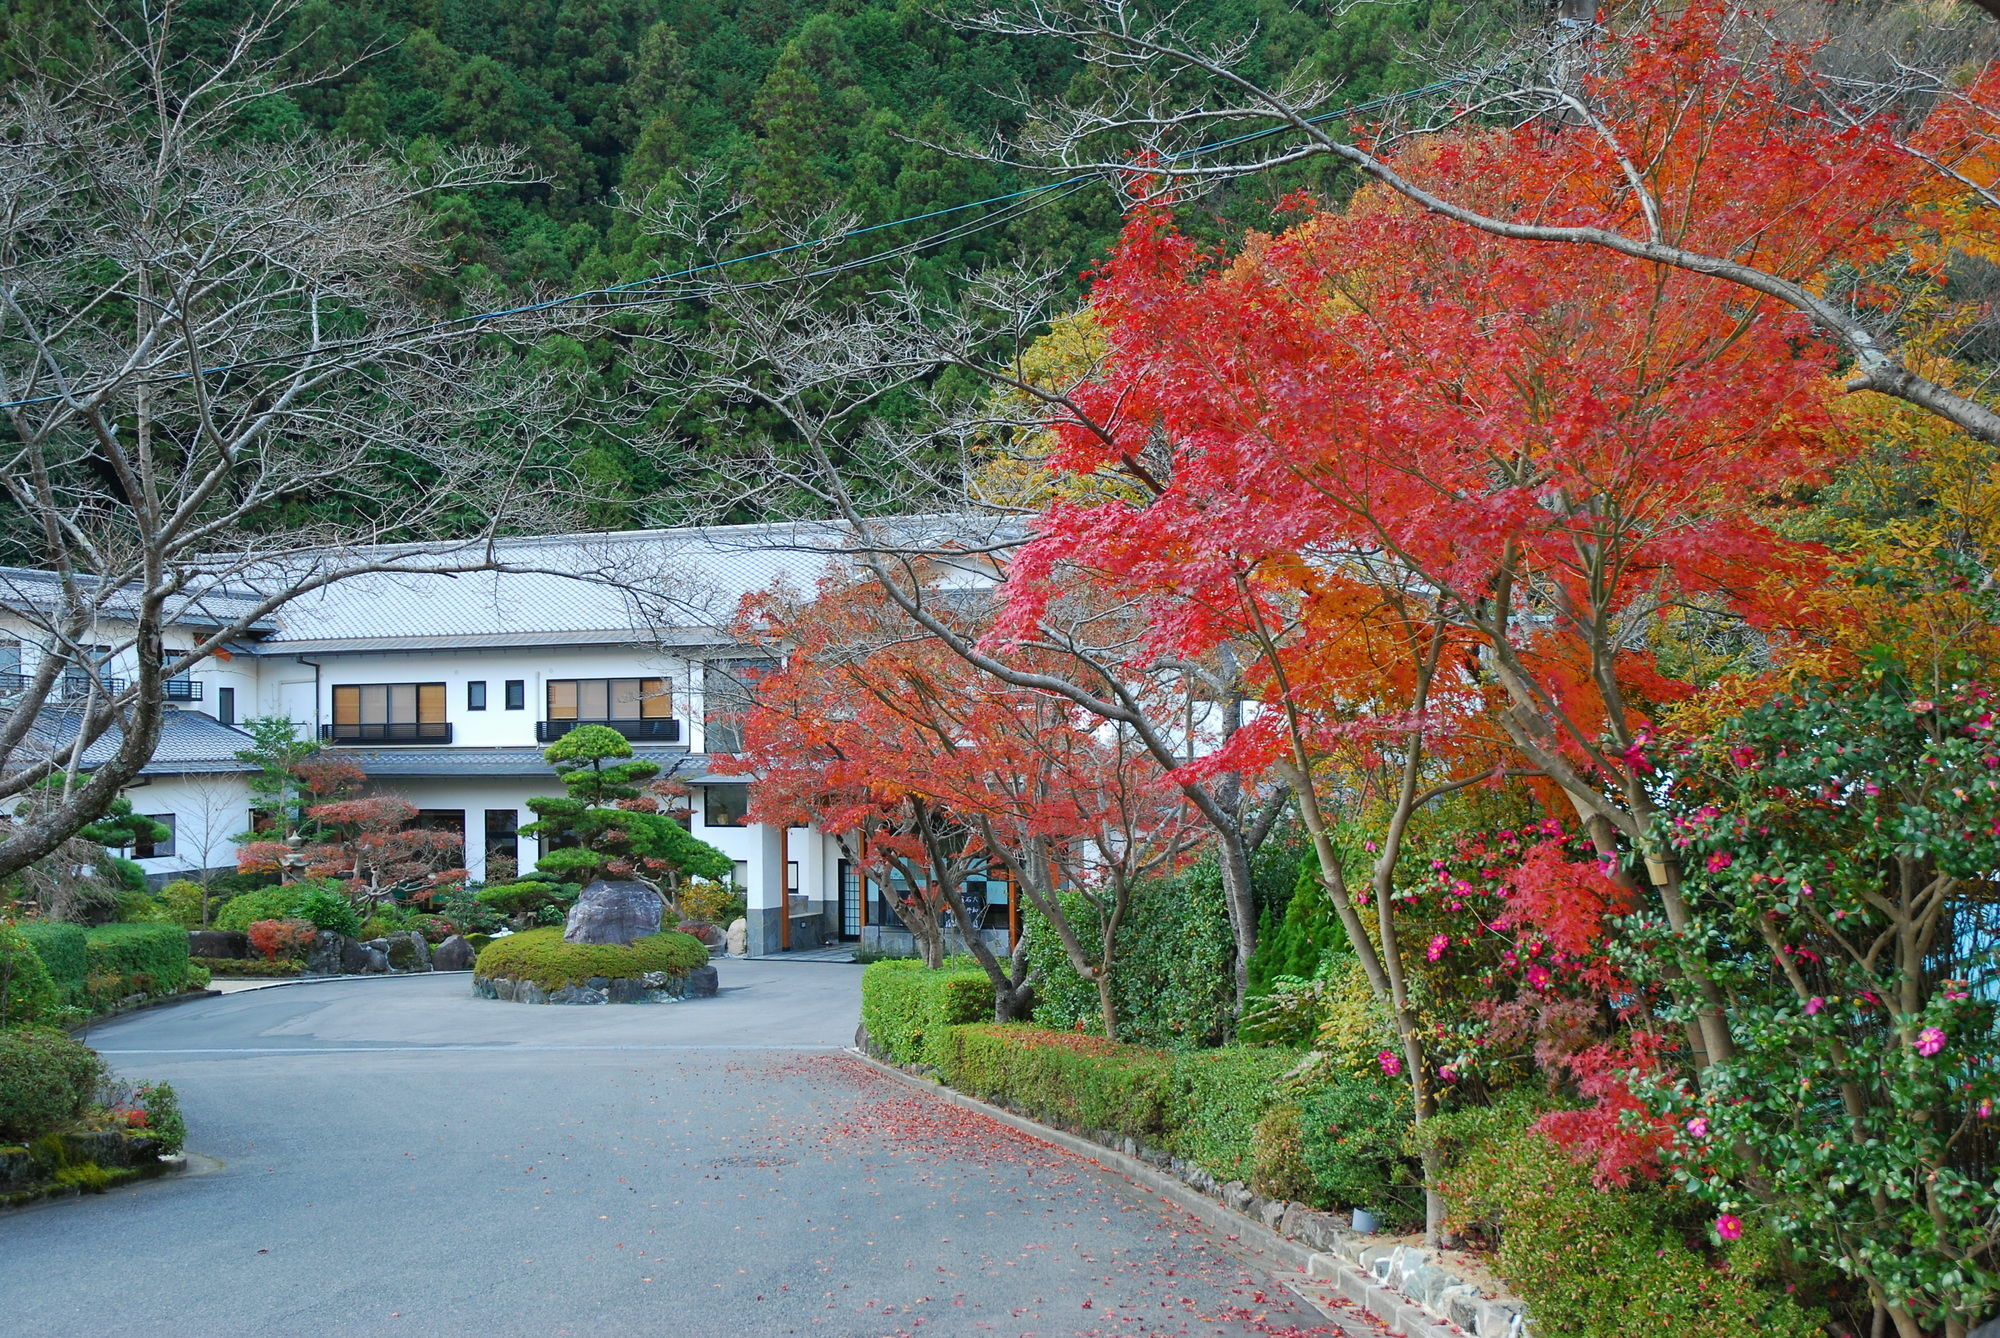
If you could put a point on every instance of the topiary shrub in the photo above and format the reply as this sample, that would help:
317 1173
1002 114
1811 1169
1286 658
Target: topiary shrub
1218 1097
1066 1078
1603 1263
1354 1135
148 958
27 994
64 950
246 908
907 1007
541 955
46 1080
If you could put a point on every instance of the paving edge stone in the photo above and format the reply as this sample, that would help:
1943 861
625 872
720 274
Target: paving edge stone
1398 1313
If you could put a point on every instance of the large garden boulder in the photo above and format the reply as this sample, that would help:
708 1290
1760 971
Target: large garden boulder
218 943
613 911
408 952
454 954
328 954
354 957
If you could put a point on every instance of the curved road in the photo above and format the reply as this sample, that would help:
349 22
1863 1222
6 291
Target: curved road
391 1156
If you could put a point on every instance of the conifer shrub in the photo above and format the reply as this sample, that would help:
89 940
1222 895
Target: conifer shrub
541 955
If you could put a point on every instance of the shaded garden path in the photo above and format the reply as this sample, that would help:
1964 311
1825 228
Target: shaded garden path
396 1158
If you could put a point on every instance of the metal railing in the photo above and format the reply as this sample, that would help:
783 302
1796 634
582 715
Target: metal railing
639 731
400 731
183 689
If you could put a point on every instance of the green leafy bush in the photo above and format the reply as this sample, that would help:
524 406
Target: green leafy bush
1065 1078
163 1115
525 898
147 958
1354 1135
1603 1263
199 976
1218 1097
62 950
181 901
908 1008
1172 983
541 955
266 903
26 992
46 1080
1277 1157
329 909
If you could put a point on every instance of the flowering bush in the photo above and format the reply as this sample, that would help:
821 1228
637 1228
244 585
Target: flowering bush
1838 847
282 939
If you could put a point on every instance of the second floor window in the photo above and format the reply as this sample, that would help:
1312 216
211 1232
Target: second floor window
610 699
389 713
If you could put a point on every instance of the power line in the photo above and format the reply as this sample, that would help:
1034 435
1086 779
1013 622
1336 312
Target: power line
1041 196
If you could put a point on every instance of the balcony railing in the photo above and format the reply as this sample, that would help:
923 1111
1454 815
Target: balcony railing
403 731
75 687
639 731
183 689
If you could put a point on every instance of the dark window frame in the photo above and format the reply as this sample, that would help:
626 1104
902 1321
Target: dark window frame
708 805
225 706
475 694
516 694
167 849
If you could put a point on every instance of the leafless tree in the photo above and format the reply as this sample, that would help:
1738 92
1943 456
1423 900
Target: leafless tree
221 387
1160 91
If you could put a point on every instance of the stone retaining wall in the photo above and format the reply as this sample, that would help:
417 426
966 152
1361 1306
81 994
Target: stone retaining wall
652 988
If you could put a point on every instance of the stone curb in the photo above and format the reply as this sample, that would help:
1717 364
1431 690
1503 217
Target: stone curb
1377 1278
329 980
185 996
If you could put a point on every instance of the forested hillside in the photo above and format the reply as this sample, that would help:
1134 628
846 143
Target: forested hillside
798 105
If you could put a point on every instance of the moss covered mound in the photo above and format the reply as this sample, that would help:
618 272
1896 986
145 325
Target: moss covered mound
541 955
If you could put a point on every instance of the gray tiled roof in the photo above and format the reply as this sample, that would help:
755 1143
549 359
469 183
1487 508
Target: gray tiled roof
694 768
190 743
26 588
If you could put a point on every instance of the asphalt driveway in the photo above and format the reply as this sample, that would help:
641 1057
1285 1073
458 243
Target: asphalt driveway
395 1157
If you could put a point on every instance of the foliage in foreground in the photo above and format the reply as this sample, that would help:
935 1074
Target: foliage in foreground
46 1080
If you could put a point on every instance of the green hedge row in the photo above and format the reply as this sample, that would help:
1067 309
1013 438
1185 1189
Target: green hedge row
62 950
27 995
1062 1077
147 958
909 1010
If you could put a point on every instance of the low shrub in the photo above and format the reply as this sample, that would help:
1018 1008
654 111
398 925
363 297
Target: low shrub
907 1008
1603 1263
329 909
266 903
710 902
163 1114
27 994
198 976
1354 1138
1218 1097
1277 1157
383 921
282 940
1064 1078
148 958
63 950
182 902
244 966
541 955
46 1080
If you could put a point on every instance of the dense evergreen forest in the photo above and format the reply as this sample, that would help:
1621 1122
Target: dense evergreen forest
799 106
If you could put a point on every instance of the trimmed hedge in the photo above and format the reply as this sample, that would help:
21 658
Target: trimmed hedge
147 958
61 948
908 1009
27 994
244 966
1063 1077
46 1080
541 955
1219 1095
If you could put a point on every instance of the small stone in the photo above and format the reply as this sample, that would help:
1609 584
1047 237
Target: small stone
737 940
454 954
1237 1195
654 980
576 994
1273 1213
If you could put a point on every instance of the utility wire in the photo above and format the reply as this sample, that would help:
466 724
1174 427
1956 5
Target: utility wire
1032 198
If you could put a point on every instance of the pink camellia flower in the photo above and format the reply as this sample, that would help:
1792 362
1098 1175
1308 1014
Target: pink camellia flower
1929 1041
1814 1004
1743 755
1697 1127
1539 977
1920 706
1729 1226
1720 860
1986 1109
1390 1064
1450 1074
1438 945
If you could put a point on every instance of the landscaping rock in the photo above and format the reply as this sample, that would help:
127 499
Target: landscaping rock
613 911
702 983
454 954
377 963
628 992
578 994
528 992
737 941
328 953
353 956
218 943
408 952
